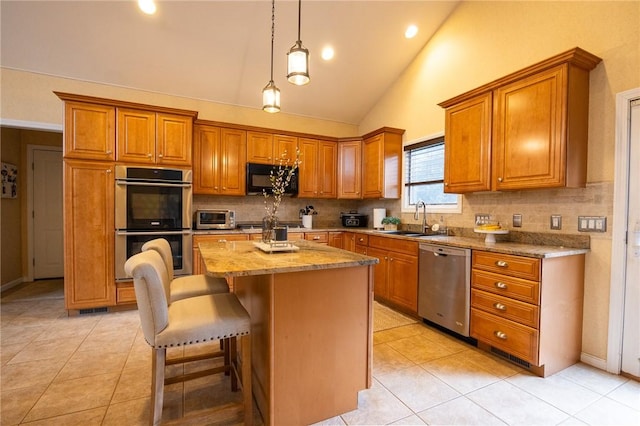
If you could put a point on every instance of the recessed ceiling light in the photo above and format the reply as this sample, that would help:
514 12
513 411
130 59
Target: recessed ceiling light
327 53
411 31
147 6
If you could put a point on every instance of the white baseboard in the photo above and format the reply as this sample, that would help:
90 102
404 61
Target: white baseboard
594 361
11 284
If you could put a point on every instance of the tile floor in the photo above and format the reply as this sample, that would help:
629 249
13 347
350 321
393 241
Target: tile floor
95 370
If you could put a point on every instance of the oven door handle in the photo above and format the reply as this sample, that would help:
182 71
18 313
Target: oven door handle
169 185
134 233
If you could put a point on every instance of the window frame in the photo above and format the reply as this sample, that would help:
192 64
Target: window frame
431 208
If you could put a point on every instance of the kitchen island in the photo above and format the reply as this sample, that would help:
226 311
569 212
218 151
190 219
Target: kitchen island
311 325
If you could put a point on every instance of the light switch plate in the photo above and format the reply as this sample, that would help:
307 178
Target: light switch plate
592 223
556 221
517 220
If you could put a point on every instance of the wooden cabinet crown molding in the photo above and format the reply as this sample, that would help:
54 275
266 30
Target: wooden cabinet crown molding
576 56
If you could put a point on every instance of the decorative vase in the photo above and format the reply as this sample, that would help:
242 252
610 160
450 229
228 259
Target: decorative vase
268 228
307 221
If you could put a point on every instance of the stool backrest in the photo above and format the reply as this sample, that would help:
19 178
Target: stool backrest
164 250
151 285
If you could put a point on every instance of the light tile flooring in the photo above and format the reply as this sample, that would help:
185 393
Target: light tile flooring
95 369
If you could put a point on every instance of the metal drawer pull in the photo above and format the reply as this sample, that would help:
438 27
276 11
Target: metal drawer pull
500 335
316 237
501 285
501 263
499 306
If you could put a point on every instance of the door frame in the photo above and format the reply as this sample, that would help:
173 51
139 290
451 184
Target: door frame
619 233
30 192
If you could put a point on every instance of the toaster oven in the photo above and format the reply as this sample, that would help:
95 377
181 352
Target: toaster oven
215 219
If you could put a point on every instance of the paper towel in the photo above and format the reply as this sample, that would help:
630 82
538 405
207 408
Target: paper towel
378 215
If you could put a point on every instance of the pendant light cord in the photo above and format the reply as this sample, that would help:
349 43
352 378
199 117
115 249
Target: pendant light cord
299 18
273 29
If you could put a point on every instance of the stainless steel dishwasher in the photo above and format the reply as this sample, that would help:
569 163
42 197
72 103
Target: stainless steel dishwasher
444 286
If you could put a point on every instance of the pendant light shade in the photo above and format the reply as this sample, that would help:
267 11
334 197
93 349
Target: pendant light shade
298 59
270 93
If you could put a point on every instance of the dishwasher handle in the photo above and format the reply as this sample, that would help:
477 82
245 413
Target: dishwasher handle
440 254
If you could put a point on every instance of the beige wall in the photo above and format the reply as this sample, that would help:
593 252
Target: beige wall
483 41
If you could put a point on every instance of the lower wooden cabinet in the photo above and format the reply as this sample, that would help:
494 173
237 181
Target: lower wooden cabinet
336 239
528 309
89 276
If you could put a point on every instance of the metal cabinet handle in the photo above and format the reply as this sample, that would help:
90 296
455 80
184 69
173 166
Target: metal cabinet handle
109 151
159 155
361 240
501 263
108 170
149 155
499 179
316 237
499 306
446 184
500 335
501 285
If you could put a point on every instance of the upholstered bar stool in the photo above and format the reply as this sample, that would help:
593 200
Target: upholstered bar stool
186 322
189 285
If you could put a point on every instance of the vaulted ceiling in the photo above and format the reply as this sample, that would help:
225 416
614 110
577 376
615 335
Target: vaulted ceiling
220 50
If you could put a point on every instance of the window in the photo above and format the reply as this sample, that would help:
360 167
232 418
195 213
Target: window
424 177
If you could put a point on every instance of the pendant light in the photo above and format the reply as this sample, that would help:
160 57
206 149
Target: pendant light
270 93
298 59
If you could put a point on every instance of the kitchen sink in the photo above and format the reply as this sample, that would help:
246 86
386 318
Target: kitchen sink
411 234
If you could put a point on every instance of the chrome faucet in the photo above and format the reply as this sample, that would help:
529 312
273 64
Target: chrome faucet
416 215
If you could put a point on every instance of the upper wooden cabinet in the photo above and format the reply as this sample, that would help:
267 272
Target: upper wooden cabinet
219 167
318 169
524 131
89 131
350 169
382 164
149 137
267 148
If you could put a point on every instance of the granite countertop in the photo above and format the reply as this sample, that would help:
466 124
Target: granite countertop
241 258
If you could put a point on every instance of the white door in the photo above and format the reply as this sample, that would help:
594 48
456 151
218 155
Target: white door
631 327
47 214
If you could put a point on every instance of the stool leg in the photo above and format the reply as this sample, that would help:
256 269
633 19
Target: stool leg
233 357
224 345
247 391
158 358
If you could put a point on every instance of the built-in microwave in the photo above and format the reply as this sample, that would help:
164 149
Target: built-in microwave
259 179
215 219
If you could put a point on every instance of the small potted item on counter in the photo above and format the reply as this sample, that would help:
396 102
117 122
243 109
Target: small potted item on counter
391 223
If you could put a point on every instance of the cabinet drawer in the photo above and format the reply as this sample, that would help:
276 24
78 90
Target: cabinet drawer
125 293
517 266
362 239
527 291
214 238
509 336
394 244
317 237
521 312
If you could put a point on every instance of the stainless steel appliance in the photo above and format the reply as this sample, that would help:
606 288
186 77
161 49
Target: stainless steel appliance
152 202
259 179
444 277
354 220
215 219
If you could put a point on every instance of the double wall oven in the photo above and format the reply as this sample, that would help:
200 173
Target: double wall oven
152 203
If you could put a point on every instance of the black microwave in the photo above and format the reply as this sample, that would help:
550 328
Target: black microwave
259 179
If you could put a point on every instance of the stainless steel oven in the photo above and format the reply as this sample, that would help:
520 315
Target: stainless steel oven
152 202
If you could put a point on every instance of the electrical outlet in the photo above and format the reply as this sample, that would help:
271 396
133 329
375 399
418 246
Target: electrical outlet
517 220
556 221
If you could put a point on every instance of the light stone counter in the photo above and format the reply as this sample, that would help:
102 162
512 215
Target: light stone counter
241 258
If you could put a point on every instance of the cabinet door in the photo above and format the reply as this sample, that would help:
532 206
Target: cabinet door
89 277
307 179
173 143
350 170
89 131
206 150
380 286
529 132
284 148
136 138
373 166
349 241
335 239
402 276
259 148
326 174
467 147
232 164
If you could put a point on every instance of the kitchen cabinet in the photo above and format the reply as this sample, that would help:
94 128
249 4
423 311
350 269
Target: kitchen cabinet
335 239
267 148
318 176
350 169
219 166
321 237
396 276
527 130
528 310
154 138
382 164
198 266
90 131
89 275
